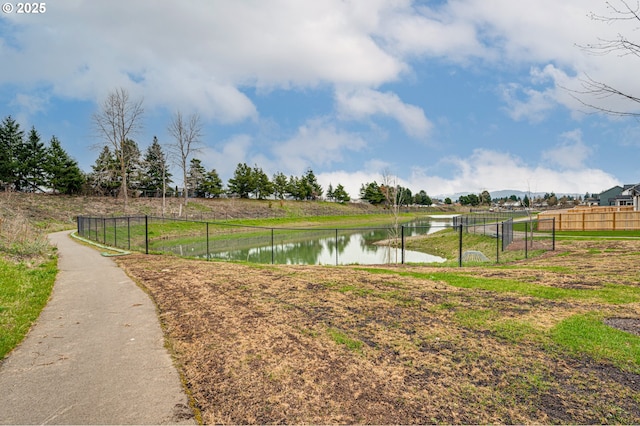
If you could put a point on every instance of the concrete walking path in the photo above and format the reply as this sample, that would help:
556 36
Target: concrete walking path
96 354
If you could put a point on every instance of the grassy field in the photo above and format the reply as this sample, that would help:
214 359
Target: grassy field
551 339
24 291
548 340
28 262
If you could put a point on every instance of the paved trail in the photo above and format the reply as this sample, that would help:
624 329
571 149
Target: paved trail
96 354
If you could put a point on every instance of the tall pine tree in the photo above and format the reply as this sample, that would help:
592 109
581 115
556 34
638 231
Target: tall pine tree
104 175
11 138
30 158
212 185
155 170
195 178
63 175
242 183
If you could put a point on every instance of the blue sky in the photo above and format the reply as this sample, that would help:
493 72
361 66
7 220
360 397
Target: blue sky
446 96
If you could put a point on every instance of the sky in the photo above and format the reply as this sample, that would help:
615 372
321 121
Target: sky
443 96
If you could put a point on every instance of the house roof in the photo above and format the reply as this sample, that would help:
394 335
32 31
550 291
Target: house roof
635 190
631 189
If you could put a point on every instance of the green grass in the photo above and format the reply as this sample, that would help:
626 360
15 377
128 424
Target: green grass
23 294
446 243
333 221
598 234
609 293
509 329
342 339
587 334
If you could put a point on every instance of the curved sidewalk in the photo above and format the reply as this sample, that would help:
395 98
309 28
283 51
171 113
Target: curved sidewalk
96 354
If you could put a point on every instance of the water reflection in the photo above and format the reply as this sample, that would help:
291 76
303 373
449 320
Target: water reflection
326 247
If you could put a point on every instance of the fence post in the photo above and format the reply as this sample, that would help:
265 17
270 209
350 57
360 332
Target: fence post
128 232
104 230
273 248
146 234
460 248
526 243
207 240
553 235
336 246
498 240
115 232
402 239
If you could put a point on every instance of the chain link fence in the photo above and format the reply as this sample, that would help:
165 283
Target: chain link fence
477 241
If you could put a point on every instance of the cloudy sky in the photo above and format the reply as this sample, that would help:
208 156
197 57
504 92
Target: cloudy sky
449 96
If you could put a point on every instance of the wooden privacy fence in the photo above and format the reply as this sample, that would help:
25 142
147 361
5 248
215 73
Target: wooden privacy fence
622 218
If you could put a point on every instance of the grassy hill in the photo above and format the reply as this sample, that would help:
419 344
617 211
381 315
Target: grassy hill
25 219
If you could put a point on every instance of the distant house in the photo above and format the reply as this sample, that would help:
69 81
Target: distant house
608 197
630 196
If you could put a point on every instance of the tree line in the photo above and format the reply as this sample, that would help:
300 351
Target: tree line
386 194
122 169
28 165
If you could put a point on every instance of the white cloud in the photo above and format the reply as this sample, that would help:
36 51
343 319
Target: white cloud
524 103
200 54
362 103
316 143
225 160
493 171
204 54
571 153
424 31
30 103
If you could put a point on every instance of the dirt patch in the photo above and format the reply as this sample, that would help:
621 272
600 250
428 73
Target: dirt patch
530 245
630 325
305 344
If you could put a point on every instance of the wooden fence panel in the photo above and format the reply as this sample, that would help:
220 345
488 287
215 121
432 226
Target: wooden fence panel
593 219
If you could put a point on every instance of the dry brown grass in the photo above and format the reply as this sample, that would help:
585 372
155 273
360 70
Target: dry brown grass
25 219
305 344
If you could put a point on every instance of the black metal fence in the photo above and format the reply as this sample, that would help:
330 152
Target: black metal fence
371 245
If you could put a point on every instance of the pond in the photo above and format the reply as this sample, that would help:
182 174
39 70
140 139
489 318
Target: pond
331 247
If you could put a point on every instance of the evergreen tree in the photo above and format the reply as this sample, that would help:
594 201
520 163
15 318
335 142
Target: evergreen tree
312 189
242 183
340 195
329 194
211 185
293 188
63 175
280 185
30 158
195 178
155 169
104 178
404 197
131 158
11 138
422 199
263 186
372 193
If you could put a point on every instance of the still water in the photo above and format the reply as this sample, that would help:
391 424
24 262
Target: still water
331 247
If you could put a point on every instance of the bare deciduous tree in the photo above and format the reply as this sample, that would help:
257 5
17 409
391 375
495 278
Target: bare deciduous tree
119 118
391 194
186 132
620 45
